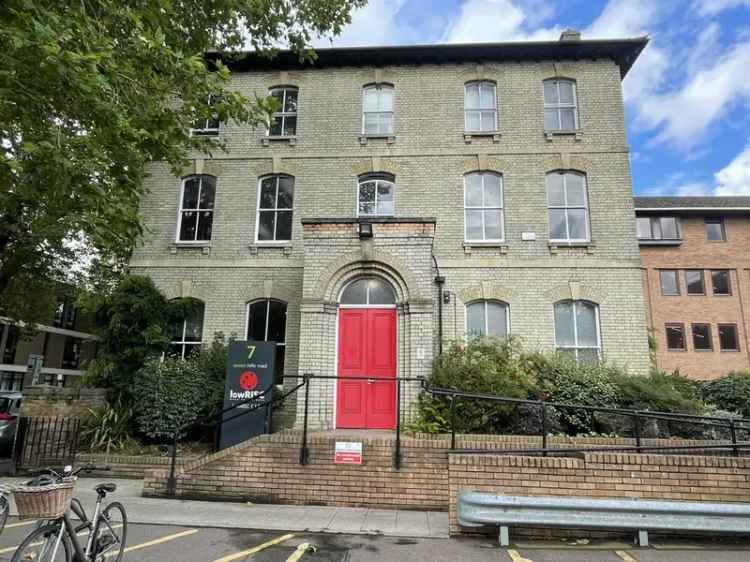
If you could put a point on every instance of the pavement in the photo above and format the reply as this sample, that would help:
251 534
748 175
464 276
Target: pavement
312 519
161 530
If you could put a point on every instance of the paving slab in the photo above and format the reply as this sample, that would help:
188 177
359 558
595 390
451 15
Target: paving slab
232 515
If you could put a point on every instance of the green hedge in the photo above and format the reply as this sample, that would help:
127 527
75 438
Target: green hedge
504 368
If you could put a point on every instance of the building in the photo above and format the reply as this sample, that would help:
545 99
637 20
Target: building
696 271
53 353
406 195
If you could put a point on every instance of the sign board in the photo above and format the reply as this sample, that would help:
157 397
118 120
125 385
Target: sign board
348 452
34 368
249 373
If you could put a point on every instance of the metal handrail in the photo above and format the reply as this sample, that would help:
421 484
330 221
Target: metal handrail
731 424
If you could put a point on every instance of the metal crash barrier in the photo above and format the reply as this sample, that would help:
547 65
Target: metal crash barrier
477 510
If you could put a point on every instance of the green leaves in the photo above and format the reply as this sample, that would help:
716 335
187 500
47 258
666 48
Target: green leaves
90 92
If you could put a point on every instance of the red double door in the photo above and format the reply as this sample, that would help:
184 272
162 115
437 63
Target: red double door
366 350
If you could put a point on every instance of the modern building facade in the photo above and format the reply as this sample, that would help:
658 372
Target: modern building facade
52 353
696 272
403 196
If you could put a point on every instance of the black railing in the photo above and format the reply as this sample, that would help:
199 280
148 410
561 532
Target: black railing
218 417
730 425
304 453
43 441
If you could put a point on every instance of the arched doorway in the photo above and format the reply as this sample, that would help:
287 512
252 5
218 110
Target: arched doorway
366 355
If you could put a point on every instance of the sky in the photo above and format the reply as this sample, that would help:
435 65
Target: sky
687 97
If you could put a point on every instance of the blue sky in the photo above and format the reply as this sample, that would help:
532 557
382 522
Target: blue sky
687 98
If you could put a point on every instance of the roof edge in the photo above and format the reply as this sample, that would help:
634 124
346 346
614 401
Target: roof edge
623 52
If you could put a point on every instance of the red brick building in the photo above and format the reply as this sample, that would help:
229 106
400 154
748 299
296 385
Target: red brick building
696 270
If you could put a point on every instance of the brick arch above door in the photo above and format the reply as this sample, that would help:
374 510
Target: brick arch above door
380 264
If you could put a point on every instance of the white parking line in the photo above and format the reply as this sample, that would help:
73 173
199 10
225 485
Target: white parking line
299 553
625 556
517 557
154 542
255 549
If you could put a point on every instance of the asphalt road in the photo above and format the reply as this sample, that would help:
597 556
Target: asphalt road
159 543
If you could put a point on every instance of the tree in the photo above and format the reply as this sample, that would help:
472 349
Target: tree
90 91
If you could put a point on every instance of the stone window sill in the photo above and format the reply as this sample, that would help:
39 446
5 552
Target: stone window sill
285 248
554 247
205 247
290 140
364 139
577 133
471 135
647 242
500 246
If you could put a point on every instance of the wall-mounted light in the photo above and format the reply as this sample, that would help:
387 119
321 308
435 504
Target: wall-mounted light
365 230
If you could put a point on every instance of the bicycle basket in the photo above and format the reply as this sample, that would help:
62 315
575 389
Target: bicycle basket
43 502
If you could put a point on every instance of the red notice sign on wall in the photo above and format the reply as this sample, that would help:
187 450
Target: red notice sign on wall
348 452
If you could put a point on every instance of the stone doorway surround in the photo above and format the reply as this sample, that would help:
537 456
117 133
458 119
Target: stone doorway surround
400 252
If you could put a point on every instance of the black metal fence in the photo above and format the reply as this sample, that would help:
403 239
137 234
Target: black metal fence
732 427
45 441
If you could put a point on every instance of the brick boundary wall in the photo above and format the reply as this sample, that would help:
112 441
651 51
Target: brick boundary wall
266 469
599 475
127 466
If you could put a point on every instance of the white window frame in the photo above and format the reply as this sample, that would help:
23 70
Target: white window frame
283 114
659 219
276 209
196 210
375 179
484 302
484 208
480 110
561 105
207 131
577 347
182 342
367 294
379 88
567 208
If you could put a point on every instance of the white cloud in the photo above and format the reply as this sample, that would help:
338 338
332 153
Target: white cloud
633 18
713 7
734 179
374 24
497 20
684 115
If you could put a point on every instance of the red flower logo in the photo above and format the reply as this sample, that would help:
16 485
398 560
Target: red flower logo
248 380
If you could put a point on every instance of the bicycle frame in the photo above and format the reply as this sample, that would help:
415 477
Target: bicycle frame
69 526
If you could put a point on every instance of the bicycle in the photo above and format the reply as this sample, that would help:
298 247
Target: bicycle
4 509
56 540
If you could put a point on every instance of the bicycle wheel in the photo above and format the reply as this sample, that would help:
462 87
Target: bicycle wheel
111 530
4 510
39 546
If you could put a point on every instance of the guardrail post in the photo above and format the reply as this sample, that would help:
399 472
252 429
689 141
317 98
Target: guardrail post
172 482
637 422
453 422
304 453
544 429
733 431
397 452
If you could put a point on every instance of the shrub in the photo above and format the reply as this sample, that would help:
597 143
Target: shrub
562 379
483 365
731 393
132 322
170 395
108 429
659 392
